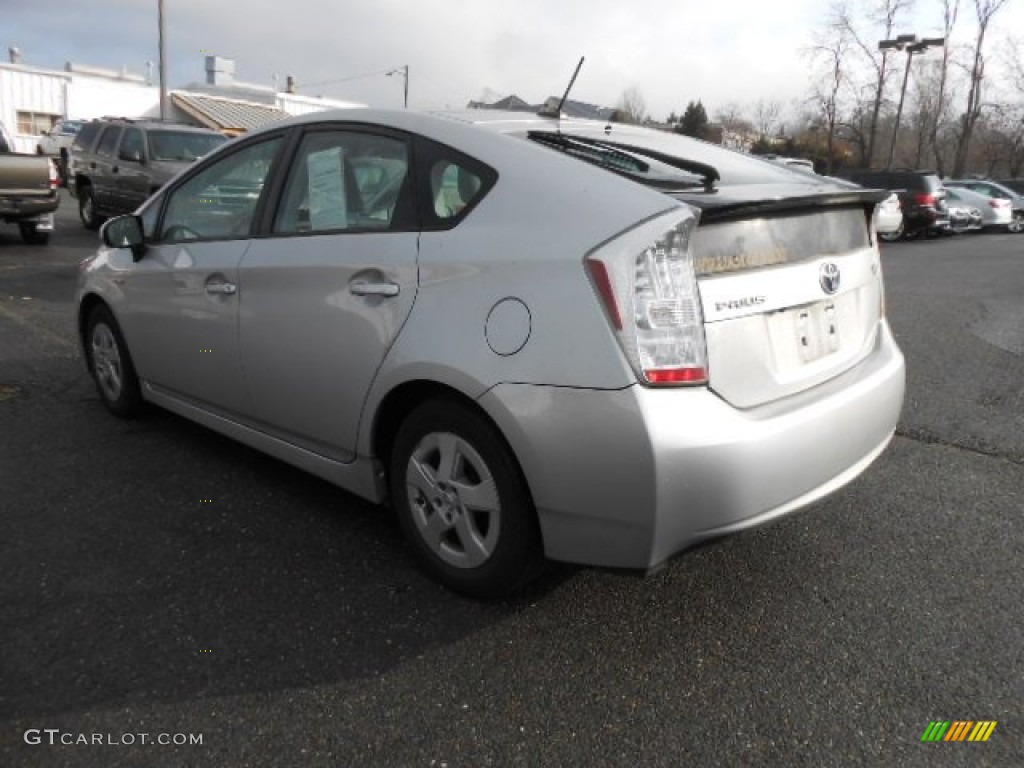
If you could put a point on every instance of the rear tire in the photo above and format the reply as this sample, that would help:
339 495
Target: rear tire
1016 225
31 234
462 502
111 365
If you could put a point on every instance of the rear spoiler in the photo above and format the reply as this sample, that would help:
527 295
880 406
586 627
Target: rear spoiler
717 208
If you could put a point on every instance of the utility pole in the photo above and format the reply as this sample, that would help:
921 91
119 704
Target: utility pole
163 60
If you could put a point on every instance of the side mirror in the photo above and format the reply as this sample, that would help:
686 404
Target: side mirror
124 232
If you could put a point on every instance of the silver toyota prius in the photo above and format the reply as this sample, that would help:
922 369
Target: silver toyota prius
534 338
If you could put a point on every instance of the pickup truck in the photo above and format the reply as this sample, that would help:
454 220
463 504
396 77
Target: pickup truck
28 192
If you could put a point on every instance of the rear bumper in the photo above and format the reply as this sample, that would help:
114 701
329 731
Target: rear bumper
27 208
628 478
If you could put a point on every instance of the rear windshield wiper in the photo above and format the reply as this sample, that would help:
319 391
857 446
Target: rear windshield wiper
606 153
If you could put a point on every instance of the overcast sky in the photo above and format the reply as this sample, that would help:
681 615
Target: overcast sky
673 51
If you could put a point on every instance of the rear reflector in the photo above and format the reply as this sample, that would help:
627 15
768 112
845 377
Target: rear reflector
924 199
677 376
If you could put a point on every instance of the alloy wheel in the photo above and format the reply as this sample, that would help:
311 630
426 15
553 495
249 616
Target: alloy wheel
454 501
106 361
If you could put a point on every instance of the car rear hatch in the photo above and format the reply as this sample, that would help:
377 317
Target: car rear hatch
790 288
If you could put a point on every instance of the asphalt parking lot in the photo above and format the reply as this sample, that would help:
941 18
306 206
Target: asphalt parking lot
159 579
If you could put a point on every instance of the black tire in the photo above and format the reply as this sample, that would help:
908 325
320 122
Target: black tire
111 365
505 551
62 167
31 234
87 208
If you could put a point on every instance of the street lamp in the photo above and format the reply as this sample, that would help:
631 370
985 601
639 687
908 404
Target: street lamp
404 72
911 45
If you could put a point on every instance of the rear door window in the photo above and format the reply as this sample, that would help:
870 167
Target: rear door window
347 180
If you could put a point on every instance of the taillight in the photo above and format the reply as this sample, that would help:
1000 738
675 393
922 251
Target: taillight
998 202
922 199
54 177
647 285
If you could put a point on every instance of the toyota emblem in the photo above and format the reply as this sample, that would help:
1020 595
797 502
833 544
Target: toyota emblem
828 276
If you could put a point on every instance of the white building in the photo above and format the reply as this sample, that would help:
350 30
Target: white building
33 98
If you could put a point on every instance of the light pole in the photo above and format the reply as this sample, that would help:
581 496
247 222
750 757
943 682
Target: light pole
163 59
911 45
404 72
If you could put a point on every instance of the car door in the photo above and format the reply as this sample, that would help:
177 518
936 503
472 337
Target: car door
131 182
326 291
182 300
101 168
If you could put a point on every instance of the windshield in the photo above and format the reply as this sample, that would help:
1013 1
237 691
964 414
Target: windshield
182 146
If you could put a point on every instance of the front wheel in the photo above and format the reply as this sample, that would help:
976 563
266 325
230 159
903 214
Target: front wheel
87 208
32 235
111 365
1016 224
462 502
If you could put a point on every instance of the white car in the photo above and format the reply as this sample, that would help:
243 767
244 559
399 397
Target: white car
889 218
995 211
57 141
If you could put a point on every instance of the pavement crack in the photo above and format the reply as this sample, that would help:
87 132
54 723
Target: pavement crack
928 438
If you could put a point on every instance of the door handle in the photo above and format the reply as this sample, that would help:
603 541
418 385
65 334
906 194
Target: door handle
224 289
361 288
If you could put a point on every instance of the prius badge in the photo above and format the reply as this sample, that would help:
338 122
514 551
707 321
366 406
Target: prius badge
828 276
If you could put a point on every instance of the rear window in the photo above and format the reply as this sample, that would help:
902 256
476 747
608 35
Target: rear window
757 243
182 146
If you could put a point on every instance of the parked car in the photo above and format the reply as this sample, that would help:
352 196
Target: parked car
889 218
116 163
56 143
598 343
995 190
800 163
922 198
1017 185
28 192
995 212
963 218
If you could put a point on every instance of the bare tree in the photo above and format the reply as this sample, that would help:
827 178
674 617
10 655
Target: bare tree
829 55
766 117
734 124
632 106
985 10
950 11
883 17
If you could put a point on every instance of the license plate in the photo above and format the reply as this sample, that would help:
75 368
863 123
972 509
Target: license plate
817 330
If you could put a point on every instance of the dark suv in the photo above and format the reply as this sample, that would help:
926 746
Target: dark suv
116 163
922 198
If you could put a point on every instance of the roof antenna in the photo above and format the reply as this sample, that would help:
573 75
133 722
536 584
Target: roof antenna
557 114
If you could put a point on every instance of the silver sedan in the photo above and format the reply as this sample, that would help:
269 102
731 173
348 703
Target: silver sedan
533 338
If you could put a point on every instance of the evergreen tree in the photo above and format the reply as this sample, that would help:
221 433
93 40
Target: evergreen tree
694 121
